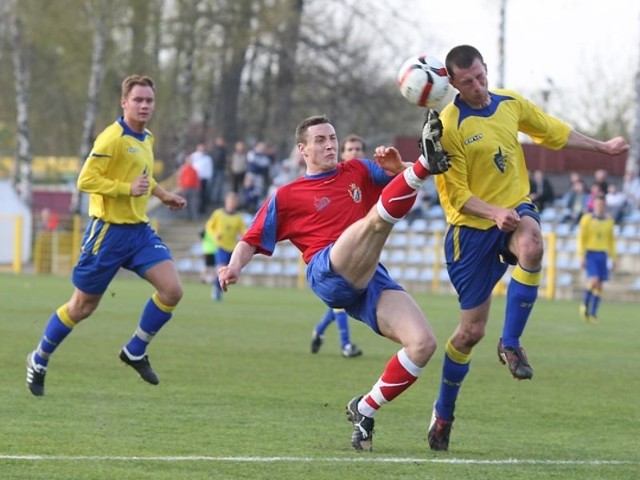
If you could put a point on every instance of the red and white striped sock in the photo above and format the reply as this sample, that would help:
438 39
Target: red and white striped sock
399 374
400 194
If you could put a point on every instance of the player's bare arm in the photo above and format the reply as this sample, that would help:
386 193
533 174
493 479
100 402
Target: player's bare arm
507 220
614 146
241 256
171 200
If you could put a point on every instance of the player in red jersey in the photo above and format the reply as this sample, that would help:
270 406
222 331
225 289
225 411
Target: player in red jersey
339 215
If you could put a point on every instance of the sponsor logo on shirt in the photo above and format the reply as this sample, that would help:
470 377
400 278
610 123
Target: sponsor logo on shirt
321 203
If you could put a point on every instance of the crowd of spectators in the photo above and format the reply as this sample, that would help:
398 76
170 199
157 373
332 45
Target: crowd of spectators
622 202
255 172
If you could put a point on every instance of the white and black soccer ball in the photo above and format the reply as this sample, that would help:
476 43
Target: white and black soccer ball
423 81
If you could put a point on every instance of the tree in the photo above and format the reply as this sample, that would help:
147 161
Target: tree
96 76
22 170
633 161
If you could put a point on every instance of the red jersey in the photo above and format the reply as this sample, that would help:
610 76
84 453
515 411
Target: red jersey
313 210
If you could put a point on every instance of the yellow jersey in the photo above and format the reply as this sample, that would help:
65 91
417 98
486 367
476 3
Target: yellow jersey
596 234
119 155
225 228
487 160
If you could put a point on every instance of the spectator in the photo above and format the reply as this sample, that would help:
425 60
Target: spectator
219 181
631 190
203 164
250 192
259 164
594 192
616 202
574 204
238 167
189 185
600 177
541 191
48 220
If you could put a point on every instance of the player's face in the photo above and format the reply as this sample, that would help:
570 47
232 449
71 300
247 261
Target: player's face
599 207
472 84
138 107
320 153
352 149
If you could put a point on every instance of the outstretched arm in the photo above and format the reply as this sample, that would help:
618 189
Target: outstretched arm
613 146
241 256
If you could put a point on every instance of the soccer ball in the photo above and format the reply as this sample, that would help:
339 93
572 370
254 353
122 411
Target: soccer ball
423 81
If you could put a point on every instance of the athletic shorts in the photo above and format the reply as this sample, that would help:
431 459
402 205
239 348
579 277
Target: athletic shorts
107 247
477 259
596 265
210 259
223 256
337 292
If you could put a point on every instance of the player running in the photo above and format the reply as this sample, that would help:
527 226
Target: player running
117 175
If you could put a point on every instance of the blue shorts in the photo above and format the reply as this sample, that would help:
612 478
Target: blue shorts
477 259
106 247
596 265
337 292
222 256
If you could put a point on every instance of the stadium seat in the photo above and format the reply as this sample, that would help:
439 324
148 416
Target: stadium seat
549 214
410 274
401 226
255 267
630 230
398 239
437 225
564 280
435 211
419 225
563 229
397 257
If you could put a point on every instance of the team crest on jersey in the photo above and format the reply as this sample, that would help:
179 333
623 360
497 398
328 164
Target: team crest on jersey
500 159
355 192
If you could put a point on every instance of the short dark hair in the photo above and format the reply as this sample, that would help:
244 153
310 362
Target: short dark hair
462 56
354 138
301 129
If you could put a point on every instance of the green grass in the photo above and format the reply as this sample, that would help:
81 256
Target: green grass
241 397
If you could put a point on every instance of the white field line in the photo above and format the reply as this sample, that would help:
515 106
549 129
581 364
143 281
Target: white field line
360 459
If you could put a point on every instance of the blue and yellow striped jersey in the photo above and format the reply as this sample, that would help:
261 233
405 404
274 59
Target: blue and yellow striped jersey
487 160
596 234
119 155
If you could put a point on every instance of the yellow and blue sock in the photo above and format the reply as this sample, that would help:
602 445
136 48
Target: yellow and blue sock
153 318
521 296
455 367
595 302
56 330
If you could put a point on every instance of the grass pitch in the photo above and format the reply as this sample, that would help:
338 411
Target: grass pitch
241 397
